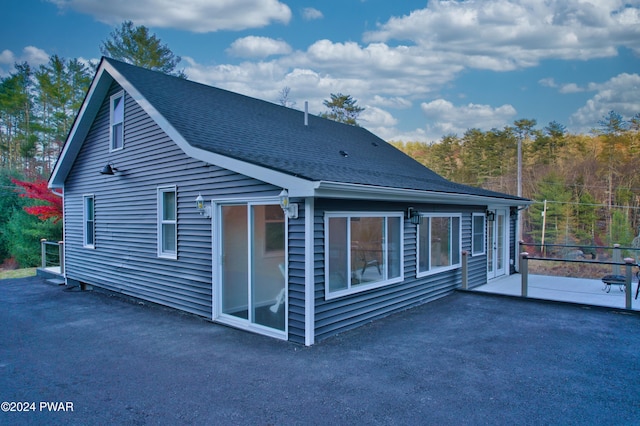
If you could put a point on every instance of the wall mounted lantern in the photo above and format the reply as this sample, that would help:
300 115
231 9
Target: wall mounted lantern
414 216
491 216
289 209
204 211
108 169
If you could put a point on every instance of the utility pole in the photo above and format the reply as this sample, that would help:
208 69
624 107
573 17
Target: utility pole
520 166
523 128
544 225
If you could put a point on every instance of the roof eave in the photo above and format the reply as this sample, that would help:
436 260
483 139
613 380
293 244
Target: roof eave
325 189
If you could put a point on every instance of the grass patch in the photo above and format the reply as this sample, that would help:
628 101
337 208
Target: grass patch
17 273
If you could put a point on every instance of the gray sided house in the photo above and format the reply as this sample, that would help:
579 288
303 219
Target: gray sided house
260 216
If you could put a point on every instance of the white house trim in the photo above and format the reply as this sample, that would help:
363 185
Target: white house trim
309 276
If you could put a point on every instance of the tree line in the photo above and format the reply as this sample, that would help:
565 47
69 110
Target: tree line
590 181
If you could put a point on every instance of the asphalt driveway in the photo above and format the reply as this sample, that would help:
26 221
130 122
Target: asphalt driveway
465 359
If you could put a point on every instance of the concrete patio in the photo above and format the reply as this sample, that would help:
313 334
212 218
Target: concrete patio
563 289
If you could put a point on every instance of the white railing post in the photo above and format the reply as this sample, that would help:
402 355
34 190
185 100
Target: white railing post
524 271
627 282
43 252
465 270
617 257
61 255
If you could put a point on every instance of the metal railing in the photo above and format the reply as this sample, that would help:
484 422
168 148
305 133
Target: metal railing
628 264
605 261
52 254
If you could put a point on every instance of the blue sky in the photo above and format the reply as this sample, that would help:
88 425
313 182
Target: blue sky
421 69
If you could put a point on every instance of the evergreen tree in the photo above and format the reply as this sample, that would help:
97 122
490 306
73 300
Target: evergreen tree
134 45
342 108
61 88
17 140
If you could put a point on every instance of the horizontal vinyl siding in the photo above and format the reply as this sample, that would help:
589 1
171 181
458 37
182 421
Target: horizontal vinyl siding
344 313
125 256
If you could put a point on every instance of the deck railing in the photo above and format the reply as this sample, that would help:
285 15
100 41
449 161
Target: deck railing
52 254
605 260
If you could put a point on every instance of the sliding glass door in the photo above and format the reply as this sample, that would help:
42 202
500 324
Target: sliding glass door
252 273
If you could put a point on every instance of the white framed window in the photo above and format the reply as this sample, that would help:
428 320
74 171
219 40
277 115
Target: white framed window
439 243
363 250
478 235
116 120
88 221
167 222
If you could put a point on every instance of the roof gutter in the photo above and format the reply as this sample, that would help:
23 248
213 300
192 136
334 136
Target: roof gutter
327 189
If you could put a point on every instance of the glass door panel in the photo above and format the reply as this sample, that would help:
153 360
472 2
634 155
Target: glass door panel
268 266
253 282
235 276
496 245
500 243
491 249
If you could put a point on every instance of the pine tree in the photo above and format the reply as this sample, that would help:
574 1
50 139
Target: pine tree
134 45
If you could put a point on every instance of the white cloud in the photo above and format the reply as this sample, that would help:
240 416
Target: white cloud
309 14
379 117
512 34
31 54
448 118
562 88
548 82
199 16
397 71
620 94
416 135
7 57
391 102
571 88
258 47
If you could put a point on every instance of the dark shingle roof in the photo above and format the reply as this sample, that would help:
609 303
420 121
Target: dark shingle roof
275 137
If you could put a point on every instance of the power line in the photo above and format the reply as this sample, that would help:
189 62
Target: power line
588 204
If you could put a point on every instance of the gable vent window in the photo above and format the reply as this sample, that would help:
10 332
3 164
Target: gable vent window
117 121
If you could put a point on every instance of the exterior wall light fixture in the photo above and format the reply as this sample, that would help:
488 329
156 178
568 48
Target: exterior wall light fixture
205 211
491 216
108 169
414 216
289 209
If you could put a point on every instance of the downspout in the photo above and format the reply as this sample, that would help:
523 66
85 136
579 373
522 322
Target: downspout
63 251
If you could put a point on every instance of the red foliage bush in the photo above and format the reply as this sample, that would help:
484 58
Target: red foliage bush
38 190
